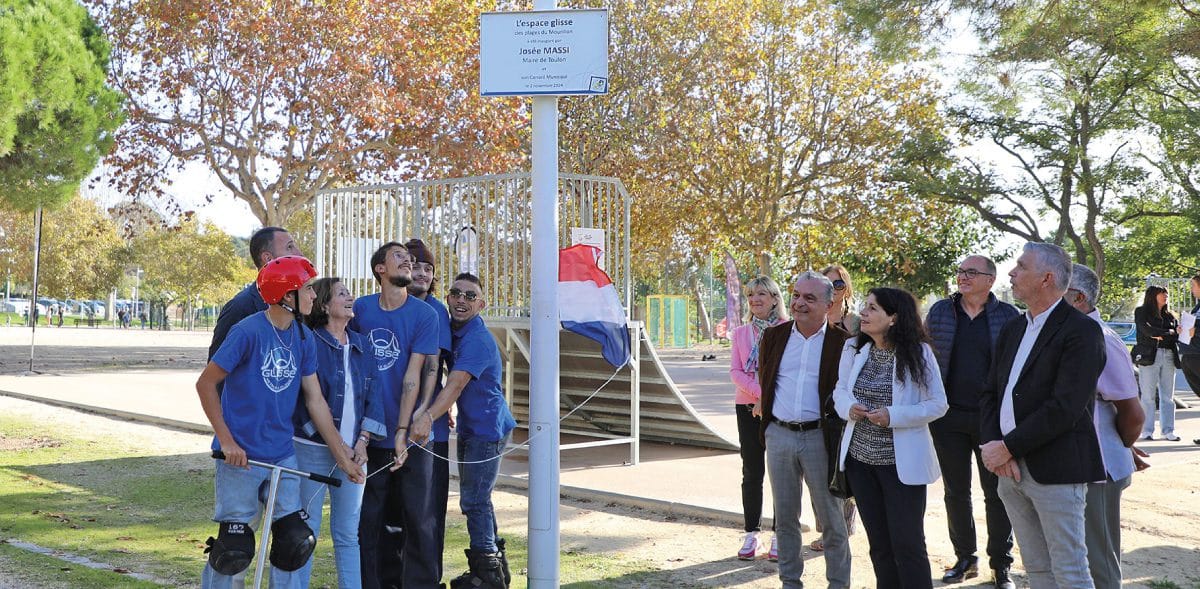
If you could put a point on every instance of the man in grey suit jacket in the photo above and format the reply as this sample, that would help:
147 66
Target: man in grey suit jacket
1036 416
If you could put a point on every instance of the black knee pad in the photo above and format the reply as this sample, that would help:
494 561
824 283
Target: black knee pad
292 541
233 548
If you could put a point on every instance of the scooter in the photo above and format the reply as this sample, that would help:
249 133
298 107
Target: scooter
276 471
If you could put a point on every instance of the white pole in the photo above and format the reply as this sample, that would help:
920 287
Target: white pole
543 362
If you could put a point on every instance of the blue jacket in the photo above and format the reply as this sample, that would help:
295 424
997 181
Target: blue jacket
331 374
942 323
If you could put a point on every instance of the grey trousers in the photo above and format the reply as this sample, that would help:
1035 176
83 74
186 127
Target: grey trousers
1102 519
793 457
1048 521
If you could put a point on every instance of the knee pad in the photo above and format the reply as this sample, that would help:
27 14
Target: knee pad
232 550
292 541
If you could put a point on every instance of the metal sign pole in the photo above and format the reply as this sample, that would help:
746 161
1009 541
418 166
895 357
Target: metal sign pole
543 362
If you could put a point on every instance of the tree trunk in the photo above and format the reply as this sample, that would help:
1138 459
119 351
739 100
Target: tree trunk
764 263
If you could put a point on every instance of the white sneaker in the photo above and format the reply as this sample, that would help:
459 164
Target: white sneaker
749 547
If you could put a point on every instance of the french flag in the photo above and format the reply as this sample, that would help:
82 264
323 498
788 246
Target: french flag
588 303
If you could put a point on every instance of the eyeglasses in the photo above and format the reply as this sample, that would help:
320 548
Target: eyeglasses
469 295
839 284
971 273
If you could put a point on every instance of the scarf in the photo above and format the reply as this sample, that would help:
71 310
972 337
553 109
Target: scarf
757 327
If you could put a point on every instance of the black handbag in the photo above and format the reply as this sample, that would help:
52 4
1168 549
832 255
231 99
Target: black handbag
1142 354
839 486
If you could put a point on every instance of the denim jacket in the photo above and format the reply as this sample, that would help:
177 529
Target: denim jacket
331 375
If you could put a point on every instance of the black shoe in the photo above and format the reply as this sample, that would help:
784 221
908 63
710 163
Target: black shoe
503 553
965 568
1003 581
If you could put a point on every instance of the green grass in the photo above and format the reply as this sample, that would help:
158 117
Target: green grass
41 570
132 509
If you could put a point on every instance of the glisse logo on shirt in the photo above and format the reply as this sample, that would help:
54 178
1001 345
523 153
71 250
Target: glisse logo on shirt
387 349
278 369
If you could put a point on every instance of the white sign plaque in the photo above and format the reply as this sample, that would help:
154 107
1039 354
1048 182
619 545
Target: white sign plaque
547 52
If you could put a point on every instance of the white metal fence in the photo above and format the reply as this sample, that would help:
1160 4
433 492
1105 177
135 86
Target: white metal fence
484 219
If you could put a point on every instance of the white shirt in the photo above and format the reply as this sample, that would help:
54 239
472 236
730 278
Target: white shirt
1033 328
796 396
348 416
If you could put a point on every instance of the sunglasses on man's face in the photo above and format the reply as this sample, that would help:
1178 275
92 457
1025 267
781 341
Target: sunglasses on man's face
839 284
470 295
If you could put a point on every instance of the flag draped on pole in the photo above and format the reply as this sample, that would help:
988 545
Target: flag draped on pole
588 302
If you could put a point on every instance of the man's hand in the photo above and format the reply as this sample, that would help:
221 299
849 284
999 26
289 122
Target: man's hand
401 449
422 426
234 454
995 454
880 417
1138 455
858 412
1009 469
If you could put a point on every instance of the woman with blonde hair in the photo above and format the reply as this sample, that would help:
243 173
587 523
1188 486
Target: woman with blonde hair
840 315
765 308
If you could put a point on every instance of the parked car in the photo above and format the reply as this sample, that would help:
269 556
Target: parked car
1125 329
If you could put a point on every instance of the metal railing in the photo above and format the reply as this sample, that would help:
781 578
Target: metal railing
352 222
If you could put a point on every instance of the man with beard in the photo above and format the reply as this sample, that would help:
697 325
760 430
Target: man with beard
403 332
485 425
424 540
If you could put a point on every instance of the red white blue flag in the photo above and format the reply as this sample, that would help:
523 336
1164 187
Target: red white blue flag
588 302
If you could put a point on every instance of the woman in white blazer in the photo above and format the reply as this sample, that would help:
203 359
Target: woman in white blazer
888 391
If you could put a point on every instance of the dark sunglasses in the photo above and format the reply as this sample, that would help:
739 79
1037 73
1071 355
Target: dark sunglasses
839 284
470 295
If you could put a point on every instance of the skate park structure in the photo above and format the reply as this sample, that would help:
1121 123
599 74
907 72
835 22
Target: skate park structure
483 224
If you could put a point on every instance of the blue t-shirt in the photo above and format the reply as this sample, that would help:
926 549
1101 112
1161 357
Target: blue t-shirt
265 366
441 426
394 336
482 411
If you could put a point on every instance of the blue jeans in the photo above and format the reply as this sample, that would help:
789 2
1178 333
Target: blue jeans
478 468
1158 380
345 503
239 491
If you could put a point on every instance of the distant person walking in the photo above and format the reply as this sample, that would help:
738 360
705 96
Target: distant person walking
1157 340
766 309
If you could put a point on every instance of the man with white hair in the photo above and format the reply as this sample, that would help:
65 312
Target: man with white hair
1118 421
1036 413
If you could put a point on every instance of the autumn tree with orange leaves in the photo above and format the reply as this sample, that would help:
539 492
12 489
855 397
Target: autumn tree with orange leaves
282 99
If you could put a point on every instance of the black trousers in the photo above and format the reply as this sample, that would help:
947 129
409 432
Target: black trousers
1189 361
893 514
441 494
754 467
400 499
956 438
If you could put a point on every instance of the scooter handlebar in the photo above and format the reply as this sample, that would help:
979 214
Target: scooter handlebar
333 482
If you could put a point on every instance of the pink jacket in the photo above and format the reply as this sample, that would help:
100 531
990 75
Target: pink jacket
745 383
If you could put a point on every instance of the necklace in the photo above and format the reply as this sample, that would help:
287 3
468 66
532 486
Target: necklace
276 331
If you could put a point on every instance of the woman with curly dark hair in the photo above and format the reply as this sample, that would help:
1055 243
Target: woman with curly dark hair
889 390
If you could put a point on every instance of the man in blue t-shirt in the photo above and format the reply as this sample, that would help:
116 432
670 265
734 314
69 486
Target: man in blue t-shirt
402 330
484 426
266 360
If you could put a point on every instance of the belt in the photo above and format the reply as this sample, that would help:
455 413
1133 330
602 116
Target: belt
798 426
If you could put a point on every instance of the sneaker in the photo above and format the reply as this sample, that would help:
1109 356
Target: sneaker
1146 437
1171 438
749 547
773 555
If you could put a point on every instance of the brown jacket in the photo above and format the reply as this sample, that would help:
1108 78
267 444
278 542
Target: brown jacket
770 354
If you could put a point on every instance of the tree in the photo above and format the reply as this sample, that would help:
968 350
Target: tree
747 125
189 263
1053 99
57 116
82 255
282 99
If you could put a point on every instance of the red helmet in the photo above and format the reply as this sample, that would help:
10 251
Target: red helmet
283 275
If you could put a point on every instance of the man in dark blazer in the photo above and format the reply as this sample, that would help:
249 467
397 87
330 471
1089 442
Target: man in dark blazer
798 369
1036 411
